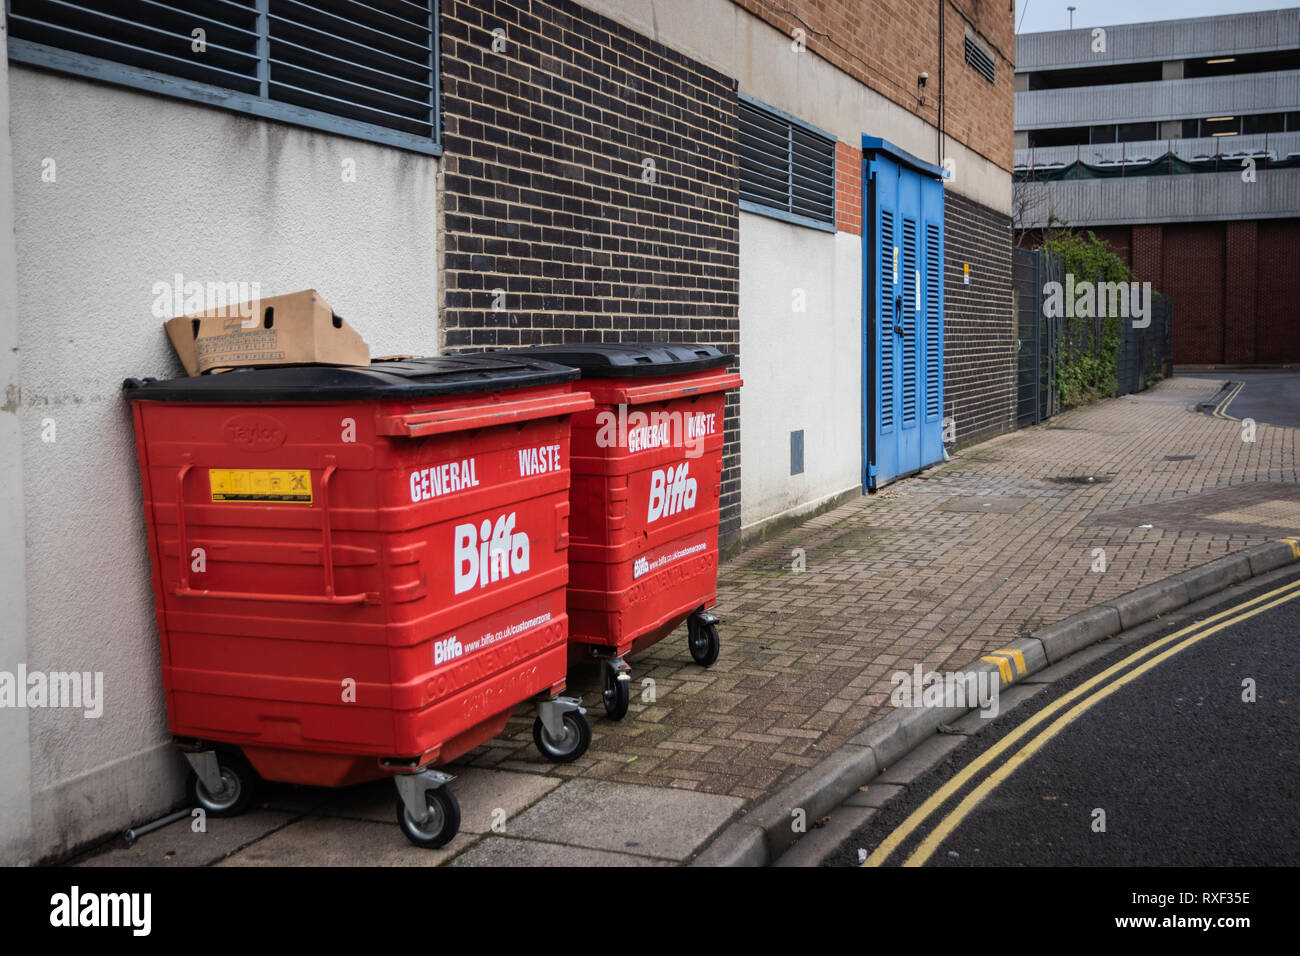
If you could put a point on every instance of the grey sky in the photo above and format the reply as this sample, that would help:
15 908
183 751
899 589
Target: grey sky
1053 15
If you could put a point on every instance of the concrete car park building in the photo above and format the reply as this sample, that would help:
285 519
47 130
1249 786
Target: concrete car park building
1178 142
823 189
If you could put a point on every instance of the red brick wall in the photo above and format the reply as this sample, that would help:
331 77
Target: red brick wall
848 188
1147 256
886 44
1119 238
1239 279
1233 286
976 113
1193 278
1277 290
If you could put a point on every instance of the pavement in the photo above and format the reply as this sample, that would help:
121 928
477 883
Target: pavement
1013 534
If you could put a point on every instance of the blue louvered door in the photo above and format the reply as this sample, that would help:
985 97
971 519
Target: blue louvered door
932 321
881 281
903 288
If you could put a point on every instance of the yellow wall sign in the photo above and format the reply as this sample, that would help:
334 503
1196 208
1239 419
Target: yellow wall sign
286 486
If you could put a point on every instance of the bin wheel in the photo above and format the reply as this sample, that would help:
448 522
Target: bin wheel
442 824
703 641
574 743
616 695
238 781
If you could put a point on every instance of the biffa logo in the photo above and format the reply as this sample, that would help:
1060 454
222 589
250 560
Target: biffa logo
493 553
672 490
447 650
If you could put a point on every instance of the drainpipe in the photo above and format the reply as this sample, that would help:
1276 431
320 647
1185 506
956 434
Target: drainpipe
938 160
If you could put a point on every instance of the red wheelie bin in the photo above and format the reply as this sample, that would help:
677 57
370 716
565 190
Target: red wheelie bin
353 576
647 477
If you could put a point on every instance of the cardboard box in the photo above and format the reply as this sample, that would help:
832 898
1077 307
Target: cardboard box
295 329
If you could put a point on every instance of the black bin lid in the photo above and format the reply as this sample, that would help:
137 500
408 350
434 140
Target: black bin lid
622 359
392 379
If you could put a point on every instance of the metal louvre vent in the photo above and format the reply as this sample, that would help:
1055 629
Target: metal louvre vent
151 36
911 289
371 62
886 303
785 166
366 69
979 58
933 358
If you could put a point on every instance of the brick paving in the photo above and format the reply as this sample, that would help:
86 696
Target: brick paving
936 570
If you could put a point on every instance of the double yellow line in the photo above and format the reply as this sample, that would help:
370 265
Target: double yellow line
1083 697
1221 410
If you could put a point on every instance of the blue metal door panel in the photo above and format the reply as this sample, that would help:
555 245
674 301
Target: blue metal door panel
903 320
882 280
908 332
932 338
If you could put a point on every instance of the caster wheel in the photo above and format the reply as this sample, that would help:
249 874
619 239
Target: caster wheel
442 824
703 641
616 695
238 781
574 743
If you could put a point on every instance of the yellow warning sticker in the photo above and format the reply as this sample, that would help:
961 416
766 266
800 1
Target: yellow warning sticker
286 486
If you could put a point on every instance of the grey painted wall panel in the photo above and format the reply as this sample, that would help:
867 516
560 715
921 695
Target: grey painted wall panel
1166 99
1163 40
1274 145
1203 197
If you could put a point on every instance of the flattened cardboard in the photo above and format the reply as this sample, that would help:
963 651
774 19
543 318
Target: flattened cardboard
295 329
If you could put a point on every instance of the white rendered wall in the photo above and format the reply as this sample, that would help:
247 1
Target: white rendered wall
803 370
15 758
148 187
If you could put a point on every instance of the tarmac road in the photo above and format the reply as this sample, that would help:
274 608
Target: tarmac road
1270 396
1171 766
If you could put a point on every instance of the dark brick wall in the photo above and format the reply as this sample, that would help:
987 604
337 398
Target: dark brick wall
545 193
979 365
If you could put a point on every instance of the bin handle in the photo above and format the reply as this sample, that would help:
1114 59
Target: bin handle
665 391
484 415
329 597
